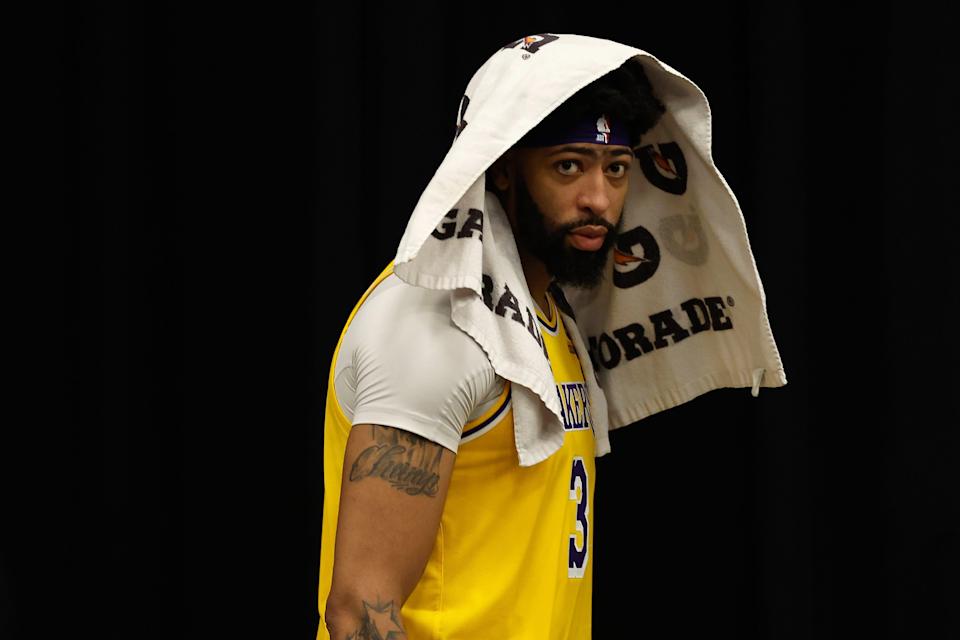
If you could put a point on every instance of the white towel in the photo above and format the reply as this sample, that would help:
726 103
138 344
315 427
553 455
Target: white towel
681 308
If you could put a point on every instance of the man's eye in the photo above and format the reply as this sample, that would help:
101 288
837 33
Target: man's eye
619 170
567 167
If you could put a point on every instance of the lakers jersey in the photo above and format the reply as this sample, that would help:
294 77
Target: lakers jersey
513 553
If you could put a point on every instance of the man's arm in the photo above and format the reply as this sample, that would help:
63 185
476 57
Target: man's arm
391 498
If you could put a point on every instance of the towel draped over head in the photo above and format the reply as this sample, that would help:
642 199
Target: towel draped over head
680 309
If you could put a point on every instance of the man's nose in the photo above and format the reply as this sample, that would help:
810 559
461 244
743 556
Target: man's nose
593 191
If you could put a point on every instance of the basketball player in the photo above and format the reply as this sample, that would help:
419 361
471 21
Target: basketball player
431 528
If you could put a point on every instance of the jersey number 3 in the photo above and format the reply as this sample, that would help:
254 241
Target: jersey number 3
577 562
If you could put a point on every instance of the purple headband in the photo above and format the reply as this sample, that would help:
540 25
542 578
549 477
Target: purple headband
589 129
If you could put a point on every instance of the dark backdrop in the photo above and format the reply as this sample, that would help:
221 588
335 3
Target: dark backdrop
228 182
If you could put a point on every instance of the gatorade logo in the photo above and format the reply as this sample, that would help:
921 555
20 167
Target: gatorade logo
636 257
532 44
664 166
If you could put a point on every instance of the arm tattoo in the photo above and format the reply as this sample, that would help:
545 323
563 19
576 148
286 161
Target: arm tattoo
381 621
406 460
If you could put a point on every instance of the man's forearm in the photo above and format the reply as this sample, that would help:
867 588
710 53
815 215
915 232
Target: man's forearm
365 619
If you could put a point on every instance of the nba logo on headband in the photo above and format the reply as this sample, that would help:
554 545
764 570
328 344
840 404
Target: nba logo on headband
603 130
586 128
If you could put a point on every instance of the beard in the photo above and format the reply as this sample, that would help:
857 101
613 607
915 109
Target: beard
547 242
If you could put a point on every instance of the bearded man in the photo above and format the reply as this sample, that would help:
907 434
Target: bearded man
464 413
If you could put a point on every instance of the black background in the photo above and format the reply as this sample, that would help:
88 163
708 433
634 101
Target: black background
226 183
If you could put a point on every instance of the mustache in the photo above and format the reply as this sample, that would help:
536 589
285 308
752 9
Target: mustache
593 220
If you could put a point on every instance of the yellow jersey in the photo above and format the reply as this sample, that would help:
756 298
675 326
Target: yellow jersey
513 553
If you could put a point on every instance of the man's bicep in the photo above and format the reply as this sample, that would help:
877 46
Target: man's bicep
419 370
392 494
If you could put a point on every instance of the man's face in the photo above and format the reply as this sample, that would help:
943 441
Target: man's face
569 206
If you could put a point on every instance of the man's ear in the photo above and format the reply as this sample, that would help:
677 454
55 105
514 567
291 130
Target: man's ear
502 172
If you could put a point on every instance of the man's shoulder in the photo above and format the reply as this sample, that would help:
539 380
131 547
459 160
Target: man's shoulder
393 295
404 337
410 318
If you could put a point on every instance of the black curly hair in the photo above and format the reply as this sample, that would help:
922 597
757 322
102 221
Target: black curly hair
624 94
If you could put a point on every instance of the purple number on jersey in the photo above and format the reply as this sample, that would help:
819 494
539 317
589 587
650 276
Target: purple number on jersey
578 554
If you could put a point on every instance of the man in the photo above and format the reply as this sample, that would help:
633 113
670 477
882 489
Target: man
461 427
402 367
